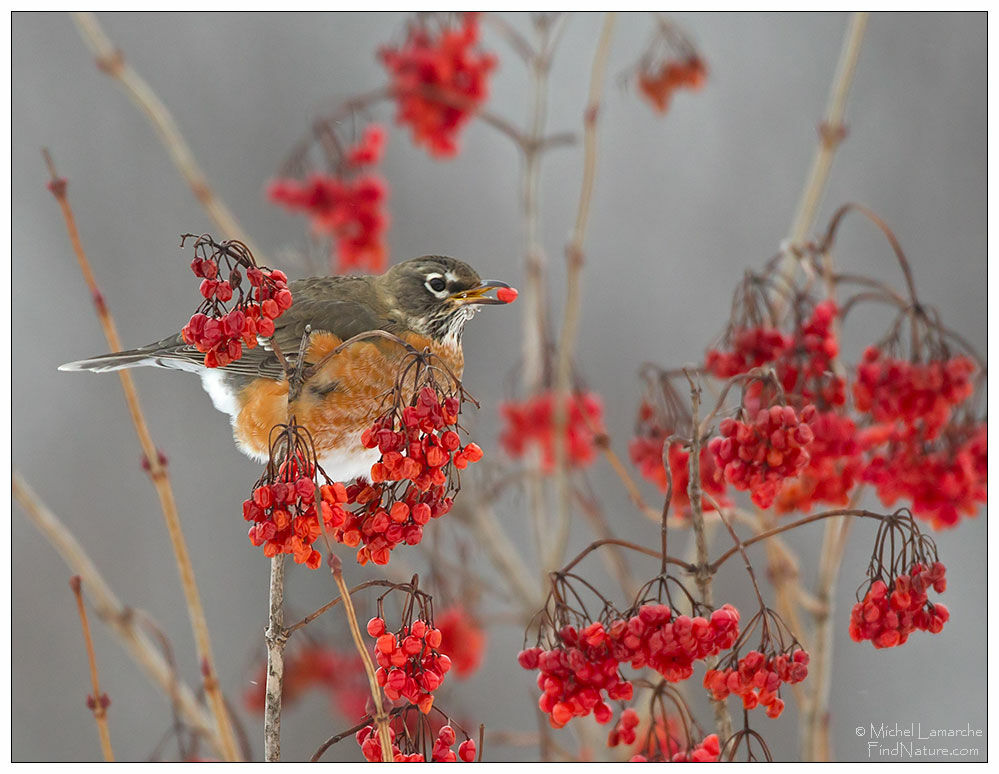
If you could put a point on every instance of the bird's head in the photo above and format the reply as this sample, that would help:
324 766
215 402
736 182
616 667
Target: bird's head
437 295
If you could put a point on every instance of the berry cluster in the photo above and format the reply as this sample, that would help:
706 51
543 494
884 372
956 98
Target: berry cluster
757 679
440 79
463 639
575 673
348 205
889 613
412 481
670 644
221 332
532 423
751 348
893 390
284 513
658 84
761 455
808 368
833 469
371 748
803 361
707 750
585 663
410 664
942 480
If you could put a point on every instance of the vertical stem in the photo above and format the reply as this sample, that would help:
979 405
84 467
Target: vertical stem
573 296
831 134
160 478
100 706
703 576
276 636
380 718
815 718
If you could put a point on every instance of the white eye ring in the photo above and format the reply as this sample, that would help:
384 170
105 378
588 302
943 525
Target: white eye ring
438 293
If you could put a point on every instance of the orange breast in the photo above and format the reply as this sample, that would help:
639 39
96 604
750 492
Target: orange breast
359 381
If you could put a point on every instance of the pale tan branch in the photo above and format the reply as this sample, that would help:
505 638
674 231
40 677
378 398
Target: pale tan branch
158 475
573 297
111 61
120 619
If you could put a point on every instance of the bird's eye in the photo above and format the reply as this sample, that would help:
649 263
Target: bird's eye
437 284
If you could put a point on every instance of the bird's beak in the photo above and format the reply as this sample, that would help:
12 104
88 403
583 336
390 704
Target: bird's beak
477 295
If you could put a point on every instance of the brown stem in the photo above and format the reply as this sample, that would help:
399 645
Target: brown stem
794 525
112 62
120 619
333 603
99 699
379 717
631 546
573 295
276 637
160 478
703 573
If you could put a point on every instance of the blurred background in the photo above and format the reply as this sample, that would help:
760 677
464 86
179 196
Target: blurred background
683 205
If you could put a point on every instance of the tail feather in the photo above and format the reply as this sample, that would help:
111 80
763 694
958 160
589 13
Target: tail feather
165 353
113 361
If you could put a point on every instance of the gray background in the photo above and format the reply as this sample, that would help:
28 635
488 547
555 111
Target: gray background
682 205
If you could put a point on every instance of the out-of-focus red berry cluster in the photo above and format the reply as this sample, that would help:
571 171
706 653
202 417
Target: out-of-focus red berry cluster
890 612
802 360
658 83
463 639
531 423
646 451
759 456
221 332
757 679
413 482
440 78
316 666
833 469
584 663
923 394
349 205
371 748
284 513
941 480
410 663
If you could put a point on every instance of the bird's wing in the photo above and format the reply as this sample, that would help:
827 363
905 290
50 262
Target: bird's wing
343 306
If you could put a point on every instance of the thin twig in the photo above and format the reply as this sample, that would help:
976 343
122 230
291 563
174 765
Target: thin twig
334 602
120 619
379 716
794 525
573 296
98 701
111 61
160 478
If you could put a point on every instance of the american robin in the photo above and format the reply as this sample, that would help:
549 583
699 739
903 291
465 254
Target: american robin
424 301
